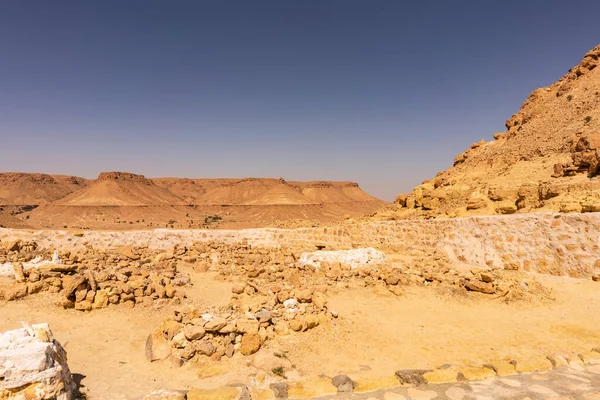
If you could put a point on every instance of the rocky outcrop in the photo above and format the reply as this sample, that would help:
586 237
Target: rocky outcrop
546 160
33 365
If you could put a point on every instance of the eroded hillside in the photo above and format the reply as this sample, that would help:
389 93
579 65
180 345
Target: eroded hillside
121 200
546 160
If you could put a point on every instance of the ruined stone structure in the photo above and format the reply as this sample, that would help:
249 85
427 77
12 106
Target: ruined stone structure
557 244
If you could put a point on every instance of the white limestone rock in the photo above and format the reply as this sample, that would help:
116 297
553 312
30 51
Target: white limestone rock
356 258
33 365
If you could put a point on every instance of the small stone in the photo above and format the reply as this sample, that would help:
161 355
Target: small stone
250 344
248 326
70 283
304 296
179 340
15 292
280 389
238 288
486 277
193 332
204 347
83 305
215 324
296 325
100 300
18 271
481 287
263 316
343 383
311 321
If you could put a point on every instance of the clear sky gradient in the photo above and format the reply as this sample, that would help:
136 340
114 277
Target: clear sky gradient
384 93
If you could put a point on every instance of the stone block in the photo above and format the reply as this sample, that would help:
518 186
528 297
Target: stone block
221 393
442 375
502 367
475 373
372 383
311 388
533 364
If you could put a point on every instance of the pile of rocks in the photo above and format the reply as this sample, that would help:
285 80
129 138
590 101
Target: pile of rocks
113 279
243 327
355 258
33 365
585 155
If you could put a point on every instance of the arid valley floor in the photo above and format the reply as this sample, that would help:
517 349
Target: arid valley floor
481 283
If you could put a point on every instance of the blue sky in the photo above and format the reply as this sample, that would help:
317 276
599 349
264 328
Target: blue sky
384 93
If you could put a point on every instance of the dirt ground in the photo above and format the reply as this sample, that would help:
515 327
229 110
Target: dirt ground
376 334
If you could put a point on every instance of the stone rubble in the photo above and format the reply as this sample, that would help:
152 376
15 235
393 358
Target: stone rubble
356 258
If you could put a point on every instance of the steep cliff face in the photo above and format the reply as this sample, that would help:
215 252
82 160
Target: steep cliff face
546 160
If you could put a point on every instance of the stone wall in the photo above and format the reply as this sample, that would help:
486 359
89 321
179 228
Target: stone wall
558 244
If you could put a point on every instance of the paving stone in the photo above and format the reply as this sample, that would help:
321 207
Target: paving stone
558 361
543 390
455 393
393 396
222 393
510 382
372 383
418 394
476 373
311 388
502 368
590 357
528 365
575 377
594 369
442 375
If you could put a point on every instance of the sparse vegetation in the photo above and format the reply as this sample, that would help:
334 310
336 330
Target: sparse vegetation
570 97
588 119
279 371
212 218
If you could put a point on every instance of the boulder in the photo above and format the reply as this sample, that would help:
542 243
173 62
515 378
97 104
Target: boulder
33 365
157 347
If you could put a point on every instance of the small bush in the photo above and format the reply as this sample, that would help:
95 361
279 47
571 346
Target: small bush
570 97
588 119
278 371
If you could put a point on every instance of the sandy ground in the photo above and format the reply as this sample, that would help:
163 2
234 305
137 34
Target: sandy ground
423 328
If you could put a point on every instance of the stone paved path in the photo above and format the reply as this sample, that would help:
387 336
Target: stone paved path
574 382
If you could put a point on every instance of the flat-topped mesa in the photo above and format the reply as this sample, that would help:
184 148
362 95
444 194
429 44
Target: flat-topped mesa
14 177
122 176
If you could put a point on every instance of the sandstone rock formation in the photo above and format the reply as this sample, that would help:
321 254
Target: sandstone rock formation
546 160
33 365
121 200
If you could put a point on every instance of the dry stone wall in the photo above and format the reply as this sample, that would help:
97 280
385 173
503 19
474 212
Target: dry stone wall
558 244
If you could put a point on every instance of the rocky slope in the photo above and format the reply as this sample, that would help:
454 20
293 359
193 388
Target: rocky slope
546 160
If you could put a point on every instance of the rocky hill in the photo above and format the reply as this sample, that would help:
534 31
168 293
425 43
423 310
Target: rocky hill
121 200
17 188
546 160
